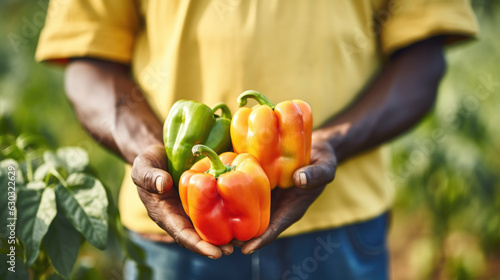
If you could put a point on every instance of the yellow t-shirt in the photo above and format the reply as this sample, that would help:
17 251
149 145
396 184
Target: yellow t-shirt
324 52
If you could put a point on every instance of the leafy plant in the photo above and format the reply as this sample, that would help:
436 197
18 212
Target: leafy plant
58 206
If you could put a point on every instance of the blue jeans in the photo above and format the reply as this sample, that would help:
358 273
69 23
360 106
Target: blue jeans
356 251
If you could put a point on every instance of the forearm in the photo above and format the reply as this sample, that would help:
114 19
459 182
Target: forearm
396 100
114 111
111 107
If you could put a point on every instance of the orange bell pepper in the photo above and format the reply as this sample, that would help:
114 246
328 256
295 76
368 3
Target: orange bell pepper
278 136
227 197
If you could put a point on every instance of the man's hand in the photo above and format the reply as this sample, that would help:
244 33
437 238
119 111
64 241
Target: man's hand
113 110
397 99
289 205
164 206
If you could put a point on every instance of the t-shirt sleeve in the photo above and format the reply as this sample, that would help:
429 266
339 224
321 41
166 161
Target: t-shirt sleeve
102 29
411 21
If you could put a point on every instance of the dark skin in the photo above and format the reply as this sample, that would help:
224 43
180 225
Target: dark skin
402 93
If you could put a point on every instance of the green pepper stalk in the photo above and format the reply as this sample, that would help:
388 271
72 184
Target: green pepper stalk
242 99
217 168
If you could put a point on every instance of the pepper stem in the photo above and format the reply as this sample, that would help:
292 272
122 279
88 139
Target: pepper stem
217 168
242 99
226 113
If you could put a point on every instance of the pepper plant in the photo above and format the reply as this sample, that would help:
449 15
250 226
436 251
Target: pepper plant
59 204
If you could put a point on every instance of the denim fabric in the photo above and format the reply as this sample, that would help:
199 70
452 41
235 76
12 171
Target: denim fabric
356 251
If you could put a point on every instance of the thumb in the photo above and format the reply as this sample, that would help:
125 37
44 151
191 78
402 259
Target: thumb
319 173
148 174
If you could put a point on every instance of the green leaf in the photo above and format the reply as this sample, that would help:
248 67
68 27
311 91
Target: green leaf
28 201
62 244
75 159
37 185
36 210
72 159
41 172
53 160
85 204
66 161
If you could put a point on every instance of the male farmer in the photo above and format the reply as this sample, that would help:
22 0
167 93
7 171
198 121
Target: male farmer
369 69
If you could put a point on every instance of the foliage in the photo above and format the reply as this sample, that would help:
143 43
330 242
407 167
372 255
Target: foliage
58 205
33 102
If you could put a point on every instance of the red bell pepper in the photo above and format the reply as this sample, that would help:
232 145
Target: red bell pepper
227 197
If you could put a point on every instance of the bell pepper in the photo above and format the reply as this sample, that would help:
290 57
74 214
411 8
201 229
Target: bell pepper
278 136
189 123
226 197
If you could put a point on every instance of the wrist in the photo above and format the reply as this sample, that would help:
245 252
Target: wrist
133 138
336 136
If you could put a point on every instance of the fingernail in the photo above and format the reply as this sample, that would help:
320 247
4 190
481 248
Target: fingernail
211 257
250 252
303 179
225 252
159 184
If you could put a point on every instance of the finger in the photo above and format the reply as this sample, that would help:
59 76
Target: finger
320 173
252 245
148 176
189 239
261 241
226 249
279 222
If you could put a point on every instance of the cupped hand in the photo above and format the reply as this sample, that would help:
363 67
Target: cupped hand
289 205
164 205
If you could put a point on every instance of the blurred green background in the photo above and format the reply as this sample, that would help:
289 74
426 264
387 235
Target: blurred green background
447 171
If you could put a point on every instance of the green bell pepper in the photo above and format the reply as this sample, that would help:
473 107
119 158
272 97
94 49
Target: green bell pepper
190 123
